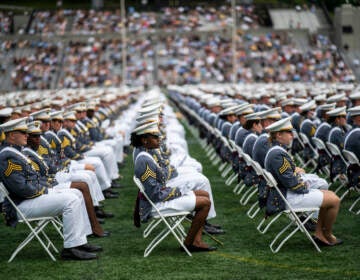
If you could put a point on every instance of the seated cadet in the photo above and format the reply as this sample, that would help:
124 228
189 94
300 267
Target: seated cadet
34 199
185 179
261 144
337 119
308 127
49 175
146 138
229 117
241 133
69 142
240 121
322 132
253 125
298 192
352 144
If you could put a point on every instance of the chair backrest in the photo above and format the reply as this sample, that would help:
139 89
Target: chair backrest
269 179
304 138
3 189
296 136
351 157
247 159
306 141
258 169
142 190
319 143
335 151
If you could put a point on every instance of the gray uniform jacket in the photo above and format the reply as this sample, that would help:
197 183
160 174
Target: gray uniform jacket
153 179
20 178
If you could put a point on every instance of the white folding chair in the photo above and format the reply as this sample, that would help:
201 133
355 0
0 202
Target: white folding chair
38 228
313 160
255 208
335 152
252 190
352 160
171 220
239 186
296 155
234 176
292 214
320 146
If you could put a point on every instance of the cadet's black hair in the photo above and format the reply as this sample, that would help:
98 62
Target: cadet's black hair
249 124
135 140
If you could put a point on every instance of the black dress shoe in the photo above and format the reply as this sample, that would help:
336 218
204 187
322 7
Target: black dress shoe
105 234
116 185
90 248
110 195
212 225
194 249
102 214
100 220
213 230
77 254
111 191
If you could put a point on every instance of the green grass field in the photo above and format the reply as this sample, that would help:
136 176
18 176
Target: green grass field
245 254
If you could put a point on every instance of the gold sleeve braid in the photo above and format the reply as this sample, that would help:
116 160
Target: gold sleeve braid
148 173
12 167
42 151
285 166
52 144
313 130
171 194
65 143
35 166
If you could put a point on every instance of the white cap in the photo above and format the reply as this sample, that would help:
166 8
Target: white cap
15 125
148 128
280 125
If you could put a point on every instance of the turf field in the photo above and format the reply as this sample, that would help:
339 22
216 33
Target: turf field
245 254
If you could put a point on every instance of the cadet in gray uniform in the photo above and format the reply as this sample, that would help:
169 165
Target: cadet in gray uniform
146 137
298 193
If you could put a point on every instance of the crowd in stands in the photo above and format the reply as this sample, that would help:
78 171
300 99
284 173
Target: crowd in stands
6 23
37 67
90 22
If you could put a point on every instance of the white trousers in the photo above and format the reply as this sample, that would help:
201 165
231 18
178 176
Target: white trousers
117 145
100 171
187 180
107 156
66 202
87 176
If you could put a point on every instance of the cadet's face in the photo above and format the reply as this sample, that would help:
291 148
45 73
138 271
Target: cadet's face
231 118
285 137
356 120
151 142
341 120
18 138
56 125
45 126
33 141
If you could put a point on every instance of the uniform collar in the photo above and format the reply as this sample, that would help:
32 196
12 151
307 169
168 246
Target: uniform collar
17 147
276 143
